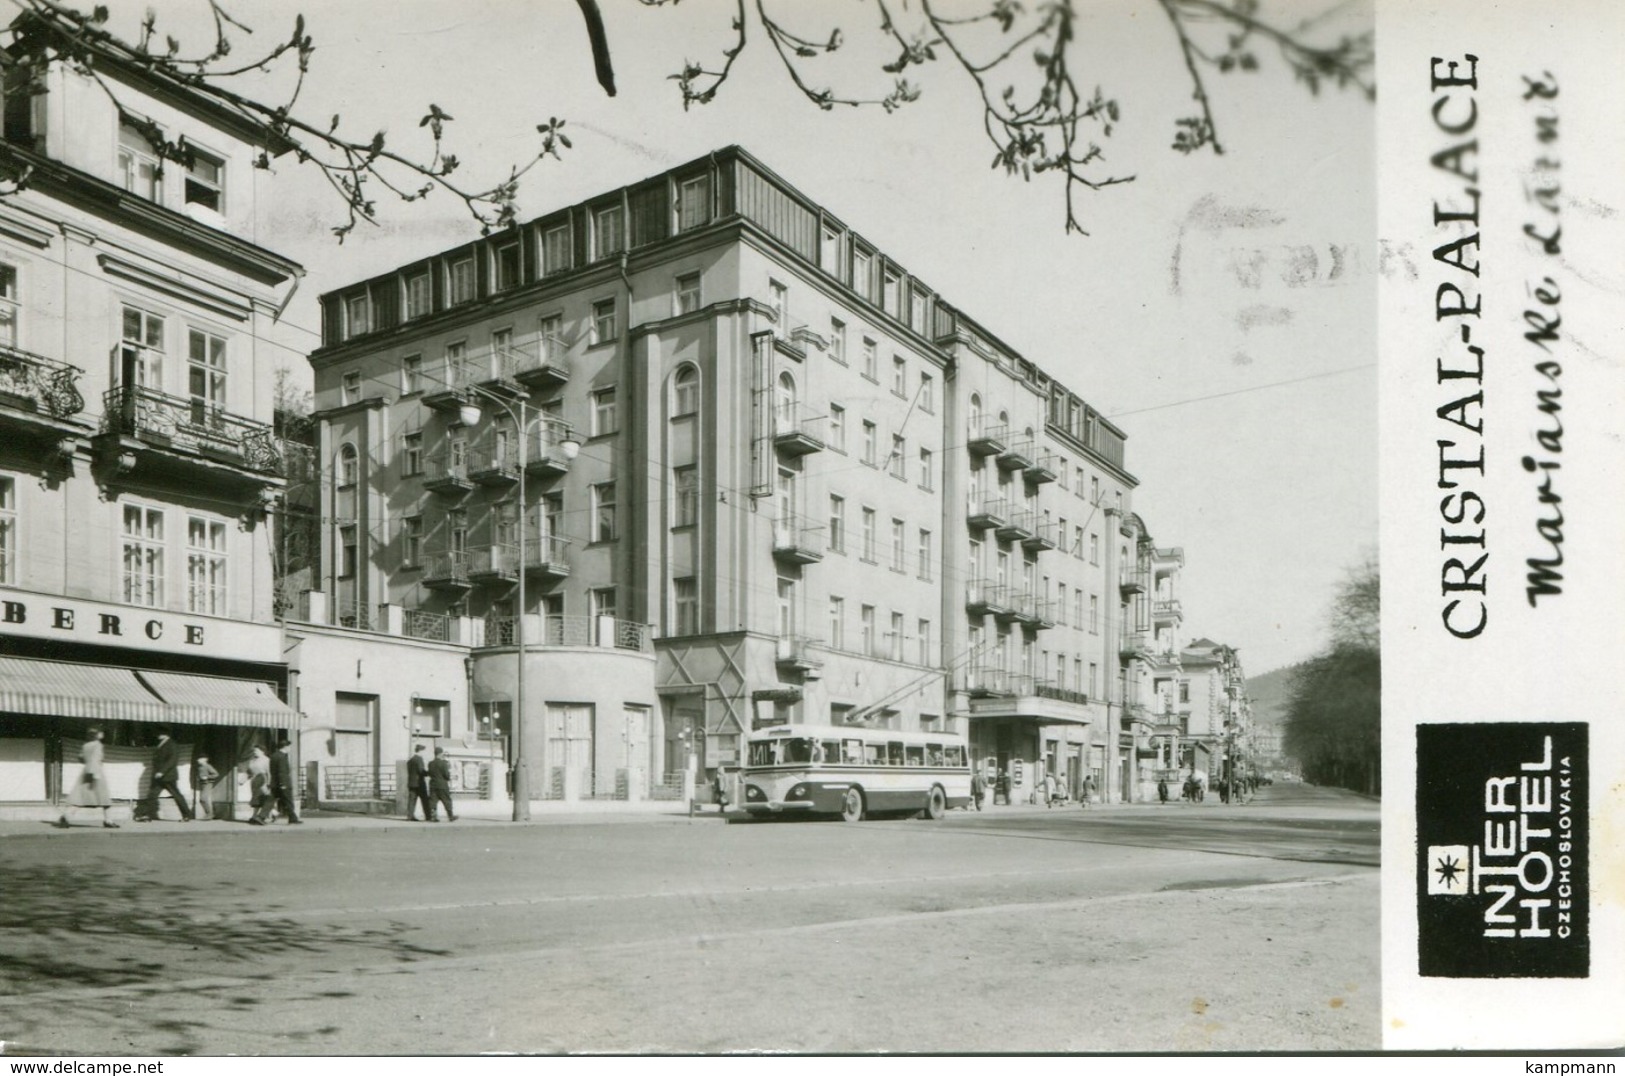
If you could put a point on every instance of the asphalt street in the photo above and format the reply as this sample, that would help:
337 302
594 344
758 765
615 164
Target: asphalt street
1177 927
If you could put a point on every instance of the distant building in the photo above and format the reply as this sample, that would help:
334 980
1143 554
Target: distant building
1218 721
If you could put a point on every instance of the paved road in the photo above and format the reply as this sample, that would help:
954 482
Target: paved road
1148 928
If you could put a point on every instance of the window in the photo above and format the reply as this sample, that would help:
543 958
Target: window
923 553
837 524
871 360
603 512
1060 601
895 650
456 529
412 454
1094 490
898 557
419 295
456 353
685 392
693 202
868 534
205 566
601 602
869 436
924 634
928 393
1077 541
837 340
1094 677
1094 549
411 541
206 374
603 321
556 249
603 412
899 376
507 266
829 251
350 387
837 427
685 593
1094 614
9 534
357 315
138 164
411 374
492 720
1064 469
462 280
779 302
916 311
926 469
348 465
205 181
430 717
889 294
897 463
143 555
686 483
1077 608
608 235
866 630
552 508
837 622
1184 691
688 294
862 274
9 307
143 348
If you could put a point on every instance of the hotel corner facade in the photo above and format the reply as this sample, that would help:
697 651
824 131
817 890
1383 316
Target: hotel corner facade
760 472
137 460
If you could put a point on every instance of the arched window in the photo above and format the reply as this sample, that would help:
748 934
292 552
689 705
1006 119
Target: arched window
975 414
785 401
348 465
685 386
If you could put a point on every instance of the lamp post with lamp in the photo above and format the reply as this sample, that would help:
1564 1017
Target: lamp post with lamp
469 414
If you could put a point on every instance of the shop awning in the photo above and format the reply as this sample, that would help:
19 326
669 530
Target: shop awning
212 700
62 689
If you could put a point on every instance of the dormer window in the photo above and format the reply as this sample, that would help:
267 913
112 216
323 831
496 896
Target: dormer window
609 234
206 182
357 315
507 265
139 171
462 280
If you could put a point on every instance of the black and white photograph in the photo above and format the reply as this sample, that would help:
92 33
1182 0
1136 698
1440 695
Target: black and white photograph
770 526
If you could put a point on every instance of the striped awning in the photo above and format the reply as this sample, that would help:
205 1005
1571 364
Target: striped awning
213 700
62 689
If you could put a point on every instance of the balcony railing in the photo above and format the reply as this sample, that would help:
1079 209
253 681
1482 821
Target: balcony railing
988 440
1131 582
987 512
796 430
493 564
1042 537
494 464
443 474
447 571
985 680
1168 609
36 383
423 624
1134 644
1048 690
796 540
543 452
1018 457
193 426
795 651
1043 468
1019 526
983 597
559 630
541 363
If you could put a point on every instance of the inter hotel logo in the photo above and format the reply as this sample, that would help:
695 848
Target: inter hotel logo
1501 850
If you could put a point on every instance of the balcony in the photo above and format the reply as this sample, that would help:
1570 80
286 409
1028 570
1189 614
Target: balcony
547 555
544 456
1042 469
982 682
1134 644
1167 611
453 394
982 598
1042 538
795 430
1020 526
423 624
448 572
544 364
796 541
493 465
985 513
575 631
190 433
493 564
1036 612
988 440
795 653
493 370
1017 457
37 393
1130 583
442 474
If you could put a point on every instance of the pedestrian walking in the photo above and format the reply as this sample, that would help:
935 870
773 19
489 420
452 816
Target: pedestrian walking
1162 790
417 786
1001 788
978 788
203 778
719 790
282 787
1088 791
166 757
440 784
259 785
91 789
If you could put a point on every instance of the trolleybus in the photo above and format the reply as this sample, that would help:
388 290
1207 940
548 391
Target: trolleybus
854 772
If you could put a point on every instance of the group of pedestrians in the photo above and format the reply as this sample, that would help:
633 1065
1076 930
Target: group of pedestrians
269 776
429 783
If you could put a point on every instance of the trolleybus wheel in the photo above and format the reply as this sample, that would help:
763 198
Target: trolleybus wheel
936 804
852 805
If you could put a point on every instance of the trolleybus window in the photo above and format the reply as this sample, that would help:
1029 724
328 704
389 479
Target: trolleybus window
914 755
852 752
954 756
894 753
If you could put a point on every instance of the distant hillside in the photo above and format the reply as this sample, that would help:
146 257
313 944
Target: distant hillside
1269 693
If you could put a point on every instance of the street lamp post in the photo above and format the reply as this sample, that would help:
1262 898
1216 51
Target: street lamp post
470 414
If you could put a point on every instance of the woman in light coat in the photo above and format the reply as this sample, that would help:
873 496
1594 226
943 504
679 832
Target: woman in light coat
91 789
259 785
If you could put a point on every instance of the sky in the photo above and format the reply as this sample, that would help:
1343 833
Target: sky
1221 311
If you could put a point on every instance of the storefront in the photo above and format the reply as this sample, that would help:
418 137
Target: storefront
67 665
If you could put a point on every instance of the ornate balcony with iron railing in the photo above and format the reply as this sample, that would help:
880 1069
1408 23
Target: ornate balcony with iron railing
189 429
36 390
796 430
796 540
495 370
1167 611
1131 581
988 440
423 624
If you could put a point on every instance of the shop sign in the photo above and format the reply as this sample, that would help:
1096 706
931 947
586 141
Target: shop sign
42 616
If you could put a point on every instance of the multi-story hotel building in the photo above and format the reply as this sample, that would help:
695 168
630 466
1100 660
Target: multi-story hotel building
761 472
137 460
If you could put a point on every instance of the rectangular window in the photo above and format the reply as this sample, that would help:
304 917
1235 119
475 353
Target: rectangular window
357 315
862 275
924 555
871 360
206 181
550 328
693 202
917 311
456 356
556 249
837 622
411 540
1060 603
9 534
924 633
899 376
837 428
899 557
350 387
829 251
9 307
866 630
688 293
609 236
1077 608
837 524
603 512
604 419
206 374
143 555
1094 549
897 462
869 534
1094 677
462 281
419 296
685 593
1094 614
779 302
928 394
837 340
205 566
601 602
1094 490
603 321
686 483
508 266
926 469
143 348
347 551
890 296
870 435
411 374
139 172
411 454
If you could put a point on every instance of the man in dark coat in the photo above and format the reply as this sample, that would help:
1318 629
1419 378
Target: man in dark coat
282 783
417 786
440 785
166 771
